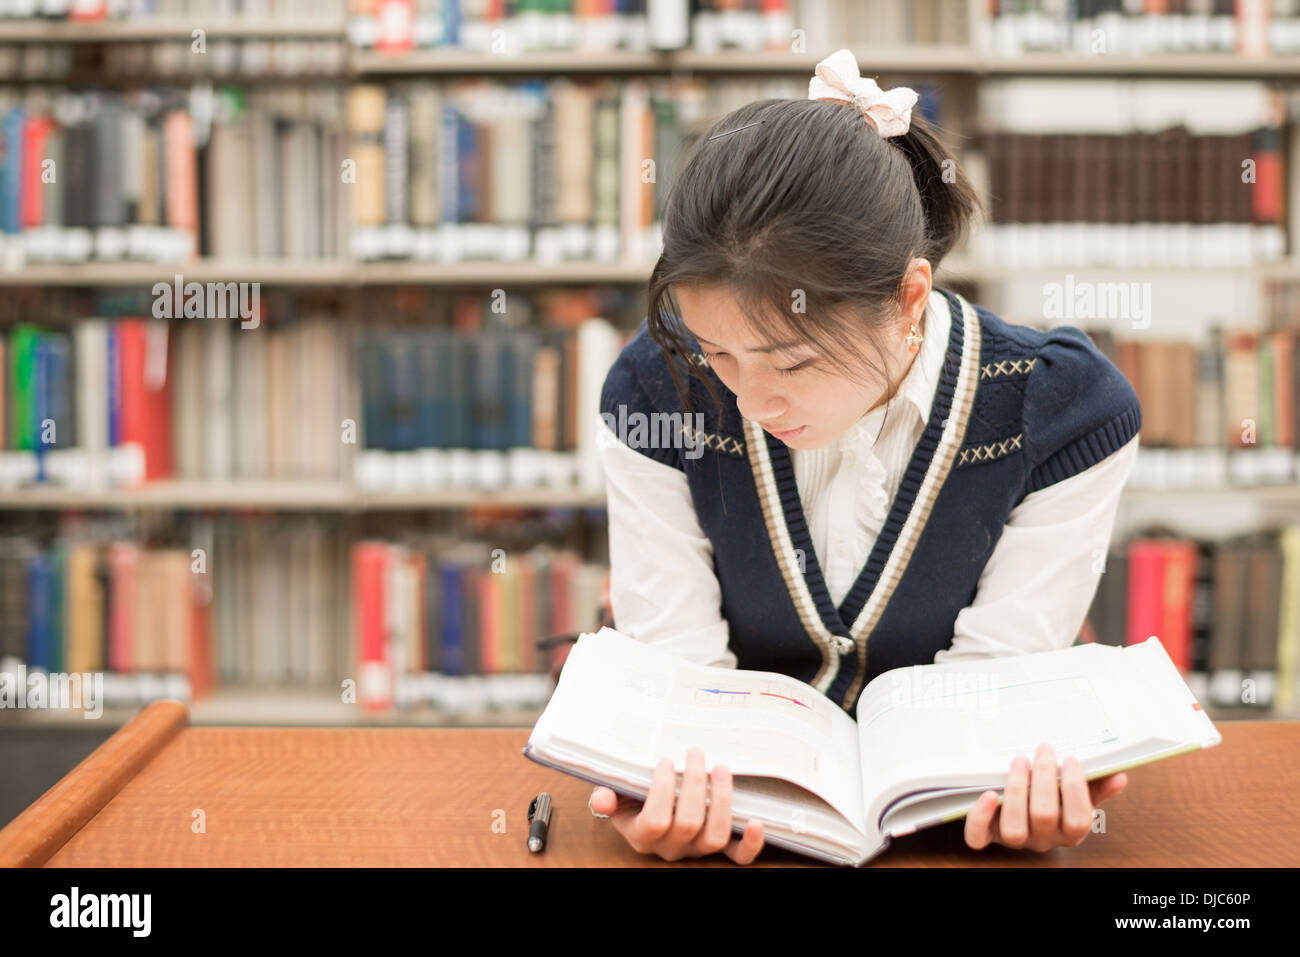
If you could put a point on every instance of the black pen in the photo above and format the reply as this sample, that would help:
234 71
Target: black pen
539 816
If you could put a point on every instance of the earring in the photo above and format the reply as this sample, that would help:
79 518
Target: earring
913 340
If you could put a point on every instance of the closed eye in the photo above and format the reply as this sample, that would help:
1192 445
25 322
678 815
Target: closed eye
795 368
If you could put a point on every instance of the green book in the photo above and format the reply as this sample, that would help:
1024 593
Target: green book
22 380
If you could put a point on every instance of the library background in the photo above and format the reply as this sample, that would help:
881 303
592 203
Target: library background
304 303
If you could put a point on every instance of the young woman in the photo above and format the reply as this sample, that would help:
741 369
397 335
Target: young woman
872 472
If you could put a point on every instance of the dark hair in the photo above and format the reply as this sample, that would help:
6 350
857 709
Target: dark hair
809 197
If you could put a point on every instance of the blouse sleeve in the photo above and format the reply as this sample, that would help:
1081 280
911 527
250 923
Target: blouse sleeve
662 586
1038 584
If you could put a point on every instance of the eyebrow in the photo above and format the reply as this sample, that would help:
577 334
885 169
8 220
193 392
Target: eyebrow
777 347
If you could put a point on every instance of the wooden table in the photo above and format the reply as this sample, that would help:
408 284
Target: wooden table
459 796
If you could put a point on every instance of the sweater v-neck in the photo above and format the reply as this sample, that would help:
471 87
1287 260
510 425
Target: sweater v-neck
774 473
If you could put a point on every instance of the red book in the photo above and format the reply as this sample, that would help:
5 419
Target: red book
528 614
181 176
489 623
123 559
563 569
1179 582
202 679
146 393
420 568
36 135
396 25
88 10
375 668
1146 571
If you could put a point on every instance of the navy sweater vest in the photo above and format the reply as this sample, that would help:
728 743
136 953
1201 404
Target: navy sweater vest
1015 410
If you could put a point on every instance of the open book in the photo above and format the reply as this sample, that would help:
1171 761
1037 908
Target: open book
927 742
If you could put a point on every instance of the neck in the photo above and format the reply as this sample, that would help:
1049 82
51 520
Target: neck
894 387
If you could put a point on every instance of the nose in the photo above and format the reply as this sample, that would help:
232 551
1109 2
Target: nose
760 405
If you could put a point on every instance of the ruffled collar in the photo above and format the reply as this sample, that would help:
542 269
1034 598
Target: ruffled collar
916 393
911 402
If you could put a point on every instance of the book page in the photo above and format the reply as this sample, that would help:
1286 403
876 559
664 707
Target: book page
624 698
962 723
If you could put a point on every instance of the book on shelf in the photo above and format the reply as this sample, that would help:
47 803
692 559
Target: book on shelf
152 12
922 746
785 26
161 178
1115 28
257 603
489 409
543 171
424 620
1131 172
1225 612
99 406
472 170
1217 412
307 396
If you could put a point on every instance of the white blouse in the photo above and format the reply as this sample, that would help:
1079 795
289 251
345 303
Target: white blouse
1033 593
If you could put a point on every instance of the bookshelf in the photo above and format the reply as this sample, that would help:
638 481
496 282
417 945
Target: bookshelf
961 68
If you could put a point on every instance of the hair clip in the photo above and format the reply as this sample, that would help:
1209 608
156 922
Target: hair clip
737 130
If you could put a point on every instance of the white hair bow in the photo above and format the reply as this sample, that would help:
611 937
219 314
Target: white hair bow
837 78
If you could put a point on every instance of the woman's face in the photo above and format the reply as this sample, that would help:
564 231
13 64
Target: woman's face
799 396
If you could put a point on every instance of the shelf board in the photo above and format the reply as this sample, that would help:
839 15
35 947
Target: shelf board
453 62
290 495
918 59
157 28
287 273
961 60
284 707
1269 494
479 273
294 495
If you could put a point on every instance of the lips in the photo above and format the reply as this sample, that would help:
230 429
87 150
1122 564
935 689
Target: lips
787 434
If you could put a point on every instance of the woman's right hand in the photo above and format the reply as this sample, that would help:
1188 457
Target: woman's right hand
652 827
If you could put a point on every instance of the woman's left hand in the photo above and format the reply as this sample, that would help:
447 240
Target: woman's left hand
1035 814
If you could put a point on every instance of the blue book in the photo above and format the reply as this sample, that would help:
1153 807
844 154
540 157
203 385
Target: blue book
58 602
453 619
430 384
114 389
449 164
492 372
467 169
403 393
11 173
58 403
461 349
40 400
451 22
523 350
373 358
40 613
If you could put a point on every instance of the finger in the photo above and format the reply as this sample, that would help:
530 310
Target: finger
717 828
744 849
1013 816
1076 803
688 818
603 802
1101 789
979 820
1044 796
656 815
